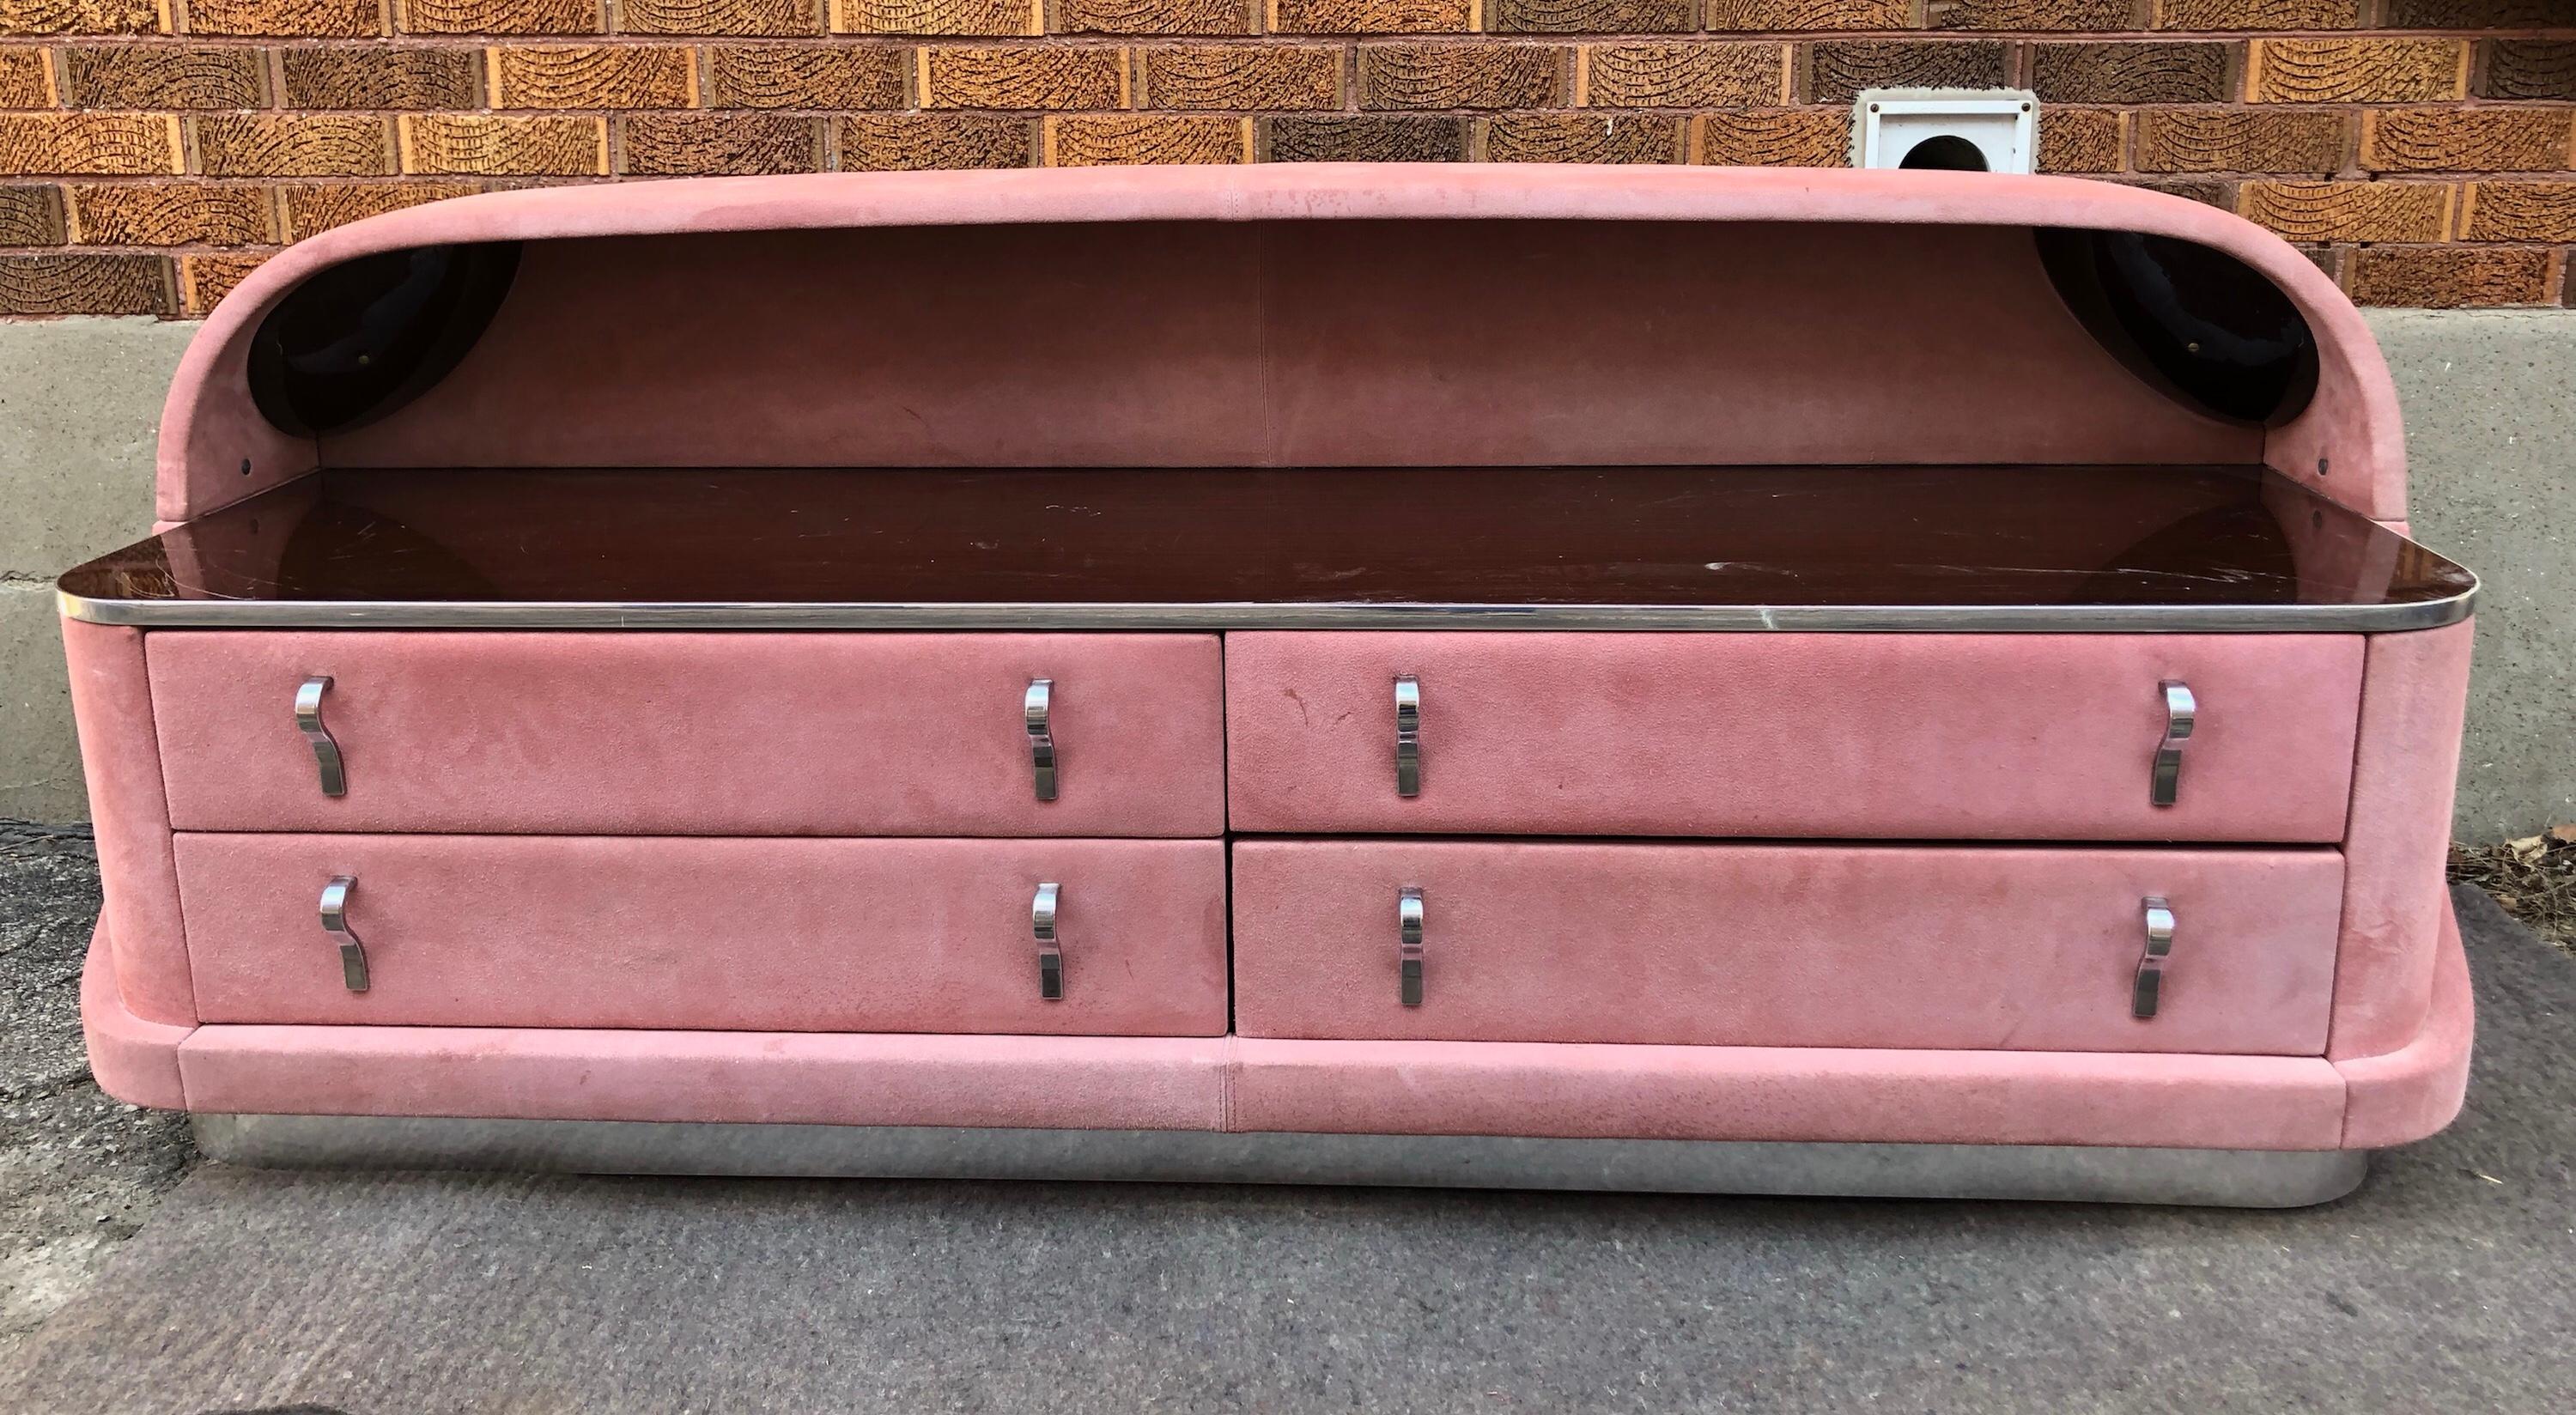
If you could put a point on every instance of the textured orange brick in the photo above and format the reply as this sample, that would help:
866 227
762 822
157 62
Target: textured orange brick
2520 211
719 144
204 280
1838 69
292 145
594 76
26 79
2089 15
2082 140
2449 277
335 19
1371 16
444 143
1122 139
2528 68
2356 70
993 77
85 284
83 17
1589 16
725 17
2209 193
2257 14
1775 137
805 76
2467 139
1583 137
1238 76
2349 211
88 144
499 17
1770 16
2242 140
1153 16
1363 137
2161 72
914 141
165 76
936 16
378 77
1681 75
171 214
2470 14
1463 75
32 216
310 210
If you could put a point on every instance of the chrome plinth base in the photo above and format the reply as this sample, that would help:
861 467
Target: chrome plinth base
2090 1174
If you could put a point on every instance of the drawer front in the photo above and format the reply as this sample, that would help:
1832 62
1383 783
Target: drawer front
1902 736
698 734
1786 945
756 935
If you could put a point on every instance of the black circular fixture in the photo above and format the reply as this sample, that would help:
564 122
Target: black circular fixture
361 339
2205 328
1946 152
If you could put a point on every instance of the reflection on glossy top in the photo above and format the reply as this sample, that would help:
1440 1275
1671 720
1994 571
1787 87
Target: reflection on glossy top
1714 547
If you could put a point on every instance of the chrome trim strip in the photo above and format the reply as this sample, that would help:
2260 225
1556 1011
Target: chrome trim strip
1720 618
2088 1174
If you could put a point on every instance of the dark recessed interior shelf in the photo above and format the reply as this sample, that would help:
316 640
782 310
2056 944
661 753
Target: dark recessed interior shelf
1995 547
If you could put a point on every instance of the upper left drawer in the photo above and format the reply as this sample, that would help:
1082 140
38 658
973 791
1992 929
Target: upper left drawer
694 733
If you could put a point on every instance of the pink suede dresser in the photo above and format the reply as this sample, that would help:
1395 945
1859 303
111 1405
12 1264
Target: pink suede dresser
1900 683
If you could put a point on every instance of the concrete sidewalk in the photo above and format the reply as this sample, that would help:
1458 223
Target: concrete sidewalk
2447 1284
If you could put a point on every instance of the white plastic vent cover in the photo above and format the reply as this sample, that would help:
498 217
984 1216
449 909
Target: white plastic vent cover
1994 130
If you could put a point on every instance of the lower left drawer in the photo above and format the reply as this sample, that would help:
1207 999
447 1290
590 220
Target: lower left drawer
819 935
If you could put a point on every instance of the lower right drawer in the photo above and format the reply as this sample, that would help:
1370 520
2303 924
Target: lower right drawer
1786 945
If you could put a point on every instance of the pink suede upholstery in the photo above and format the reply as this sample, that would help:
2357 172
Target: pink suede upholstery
786 877
1231 1084
1291 343
131 1059
1375 289
702 734
1903 736
1064 1083
1785 945
1788 1093
2414 698
741 935
112 710
2400 1096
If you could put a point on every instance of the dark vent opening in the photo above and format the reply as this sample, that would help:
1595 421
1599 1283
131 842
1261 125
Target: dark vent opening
2210 331
365 337
1947 152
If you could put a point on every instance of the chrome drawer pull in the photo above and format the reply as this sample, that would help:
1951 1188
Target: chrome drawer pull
1408 934
1050 956
1033 709
1408 735
335 922
308 720
2150 986
2181 711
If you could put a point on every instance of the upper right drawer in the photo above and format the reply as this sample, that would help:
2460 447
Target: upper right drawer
1876 736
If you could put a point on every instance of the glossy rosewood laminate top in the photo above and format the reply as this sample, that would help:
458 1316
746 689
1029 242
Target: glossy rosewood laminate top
2010 548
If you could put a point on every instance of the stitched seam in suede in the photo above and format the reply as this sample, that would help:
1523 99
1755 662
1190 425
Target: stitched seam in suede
2343 846
169 833
2403 681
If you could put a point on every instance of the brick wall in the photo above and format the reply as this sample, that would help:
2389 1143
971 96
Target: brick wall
151 151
